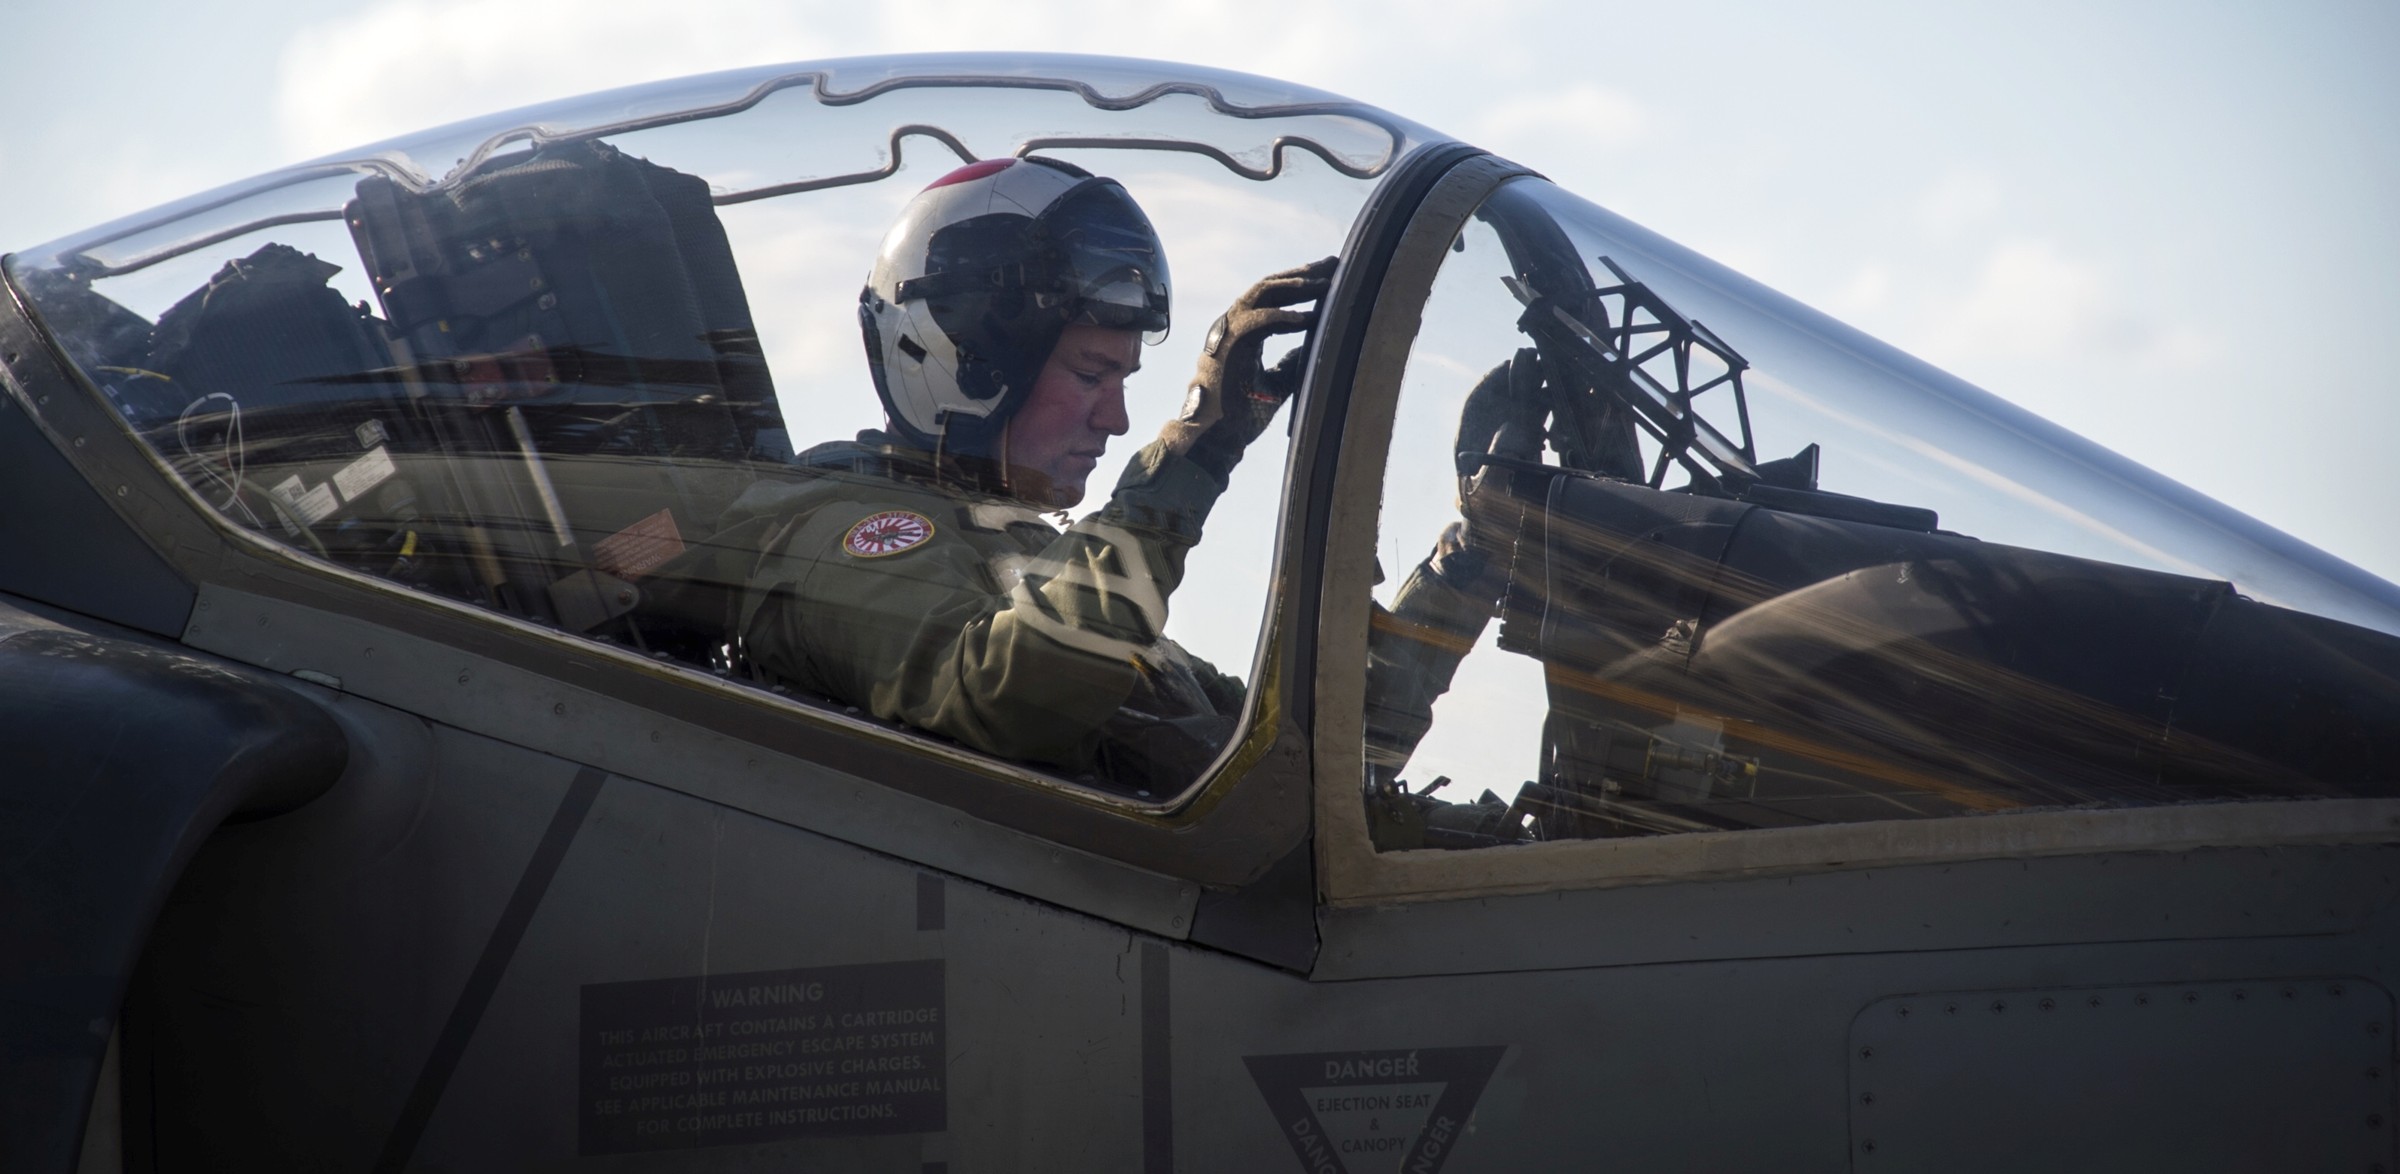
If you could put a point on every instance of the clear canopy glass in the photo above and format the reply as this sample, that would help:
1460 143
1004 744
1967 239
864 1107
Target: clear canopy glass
598 365
1666 552
1712 560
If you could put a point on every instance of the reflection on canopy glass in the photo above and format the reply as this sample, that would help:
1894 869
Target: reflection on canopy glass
1632 613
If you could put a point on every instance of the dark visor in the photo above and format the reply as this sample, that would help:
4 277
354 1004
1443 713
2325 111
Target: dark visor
1112 257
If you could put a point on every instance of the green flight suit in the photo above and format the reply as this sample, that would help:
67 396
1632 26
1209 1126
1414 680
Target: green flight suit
968 615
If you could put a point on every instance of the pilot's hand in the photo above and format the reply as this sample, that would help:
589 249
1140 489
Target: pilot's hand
1234 395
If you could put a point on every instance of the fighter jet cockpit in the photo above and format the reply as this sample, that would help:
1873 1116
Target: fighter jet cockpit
1015 612
1660 553
600 370
774 377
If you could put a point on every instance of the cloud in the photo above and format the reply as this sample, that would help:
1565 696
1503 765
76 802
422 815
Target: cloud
2034 300
2031 300
2180 348
403 65
1868 290
1958 201
1577 117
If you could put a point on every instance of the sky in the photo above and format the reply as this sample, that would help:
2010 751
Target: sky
2172 227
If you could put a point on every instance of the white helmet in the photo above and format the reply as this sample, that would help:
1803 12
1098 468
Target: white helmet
978 278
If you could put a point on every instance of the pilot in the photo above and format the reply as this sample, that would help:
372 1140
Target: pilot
913 574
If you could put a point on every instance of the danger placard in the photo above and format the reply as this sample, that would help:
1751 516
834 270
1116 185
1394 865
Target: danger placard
1371 1112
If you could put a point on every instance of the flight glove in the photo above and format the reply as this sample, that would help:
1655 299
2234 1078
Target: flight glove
1234 395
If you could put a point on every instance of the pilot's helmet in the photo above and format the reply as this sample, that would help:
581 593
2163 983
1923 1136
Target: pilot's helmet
979 277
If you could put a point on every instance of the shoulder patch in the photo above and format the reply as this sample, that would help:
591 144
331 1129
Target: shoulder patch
887 533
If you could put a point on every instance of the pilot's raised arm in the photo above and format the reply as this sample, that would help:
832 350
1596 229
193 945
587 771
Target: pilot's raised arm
1441 609
914 576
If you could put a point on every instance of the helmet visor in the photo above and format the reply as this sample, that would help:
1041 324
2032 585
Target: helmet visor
1112 259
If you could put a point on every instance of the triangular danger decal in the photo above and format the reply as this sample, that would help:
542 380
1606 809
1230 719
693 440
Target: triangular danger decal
1374 1112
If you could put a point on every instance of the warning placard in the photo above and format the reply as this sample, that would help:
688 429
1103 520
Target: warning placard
730 1059
1356 1112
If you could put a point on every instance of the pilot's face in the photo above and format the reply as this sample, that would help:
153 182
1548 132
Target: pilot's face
1078 402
